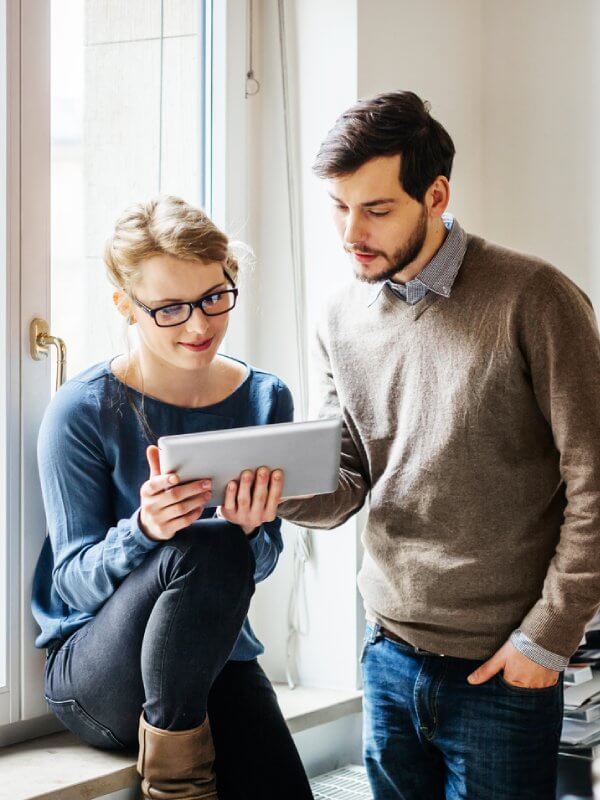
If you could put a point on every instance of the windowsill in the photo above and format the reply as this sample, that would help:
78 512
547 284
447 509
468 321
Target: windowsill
305 708
59 767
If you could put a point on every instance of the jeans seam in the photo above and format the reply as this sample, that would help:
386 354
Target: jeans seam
435 705
416 687
80 710
164 654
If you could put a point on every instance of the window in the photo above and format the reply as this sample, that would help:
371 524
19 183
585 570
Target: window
107 109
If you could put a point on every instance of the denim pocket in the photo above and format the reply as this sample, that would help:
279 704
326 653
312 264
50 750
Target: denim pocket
86 728
527 690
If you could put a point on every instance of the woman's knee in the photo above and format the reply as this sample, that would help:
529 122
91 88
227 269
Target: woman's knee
214 548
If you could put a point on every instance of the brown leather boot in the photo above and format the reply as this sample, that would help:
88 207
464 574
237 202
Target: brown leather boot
176 765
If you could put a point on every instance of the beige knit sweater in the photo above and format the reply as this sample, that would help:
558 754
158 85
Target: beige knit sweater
474 423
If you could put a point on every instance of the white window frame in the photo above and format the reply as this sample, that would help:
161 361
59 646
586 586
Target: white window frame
227 184
9 377
23 296
9 359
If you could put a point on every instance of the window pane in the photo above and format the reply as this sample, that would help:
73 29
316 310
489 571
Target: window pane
127 123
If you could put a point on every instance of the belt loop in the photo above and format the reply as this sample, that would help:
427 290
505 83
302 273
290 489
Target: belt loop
375 633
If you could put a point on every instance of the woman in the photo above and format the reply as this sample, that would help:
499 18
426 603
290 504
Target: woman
141 589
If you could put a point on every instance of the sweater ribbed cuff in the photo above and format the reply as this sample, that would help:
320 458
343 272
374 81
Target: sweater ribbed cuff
536 653
138 534
554 629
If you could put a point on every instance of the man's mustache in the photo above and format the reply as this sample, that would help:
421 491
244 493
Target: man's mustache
366 252
363 252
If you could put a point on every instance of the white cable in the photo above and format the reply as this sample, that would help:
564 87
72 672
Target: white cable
297 623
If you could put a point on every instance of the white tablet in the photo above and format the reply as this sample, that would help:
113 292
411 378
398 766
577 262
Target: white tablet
307 452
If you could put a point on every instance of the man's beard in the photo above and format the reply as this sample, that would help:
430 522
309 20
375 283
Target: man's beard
403 256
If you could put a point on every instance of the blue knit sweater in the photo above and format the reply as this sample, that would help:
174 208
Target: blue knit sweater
92 463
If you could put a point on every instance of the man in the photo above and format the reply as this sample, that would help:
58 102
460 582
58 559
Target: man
467 377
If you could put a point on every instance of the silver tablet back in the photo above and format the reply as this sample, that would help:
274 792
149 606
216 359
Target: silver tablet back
307 452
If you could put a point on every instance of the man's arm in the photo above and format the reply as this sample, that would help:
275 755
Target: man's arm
560 343
561 346
331 510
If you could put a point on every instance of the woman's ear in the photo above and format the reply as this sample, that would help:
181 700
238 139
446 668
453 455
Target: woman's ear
123 304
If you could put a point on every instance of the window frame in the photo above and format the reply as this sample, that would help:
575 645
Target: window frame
24 294
9 357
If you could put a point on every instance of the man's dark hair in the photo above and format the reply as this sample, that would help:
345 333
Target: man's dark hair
394 123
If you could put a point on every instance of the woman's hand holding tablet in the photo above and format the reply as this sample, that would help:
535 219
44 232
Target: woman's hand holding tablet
307 453
253 500
166 505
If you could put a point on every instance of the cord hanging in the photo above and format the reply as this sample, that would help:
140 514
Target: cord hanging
252 84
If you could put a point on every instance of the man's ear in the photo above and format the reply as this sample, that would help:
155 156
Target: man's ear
123 304
438 196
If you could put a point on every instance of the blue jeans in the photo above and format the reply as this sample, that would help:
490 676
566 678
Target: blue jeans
161 643
430 735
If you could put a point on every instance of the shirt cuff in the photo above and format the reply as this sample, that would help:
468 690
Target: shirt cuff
536 653
138 534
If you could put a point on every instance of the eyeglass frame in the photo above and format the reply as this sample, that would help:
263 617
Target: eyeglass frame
191 305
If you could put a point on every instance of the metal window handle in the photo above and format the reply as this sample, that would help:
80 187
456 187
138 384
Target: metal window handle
40 342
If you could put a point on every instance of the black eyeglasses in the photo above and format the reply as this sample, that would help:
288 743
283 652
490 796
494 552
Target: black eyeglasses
212 305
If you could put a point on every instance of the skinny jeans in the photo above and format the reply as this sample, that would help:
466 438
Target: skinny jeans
161 644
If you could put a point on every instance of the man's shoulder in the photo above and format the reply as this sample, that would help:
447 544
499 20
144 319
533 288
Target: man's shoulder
517 270
509 259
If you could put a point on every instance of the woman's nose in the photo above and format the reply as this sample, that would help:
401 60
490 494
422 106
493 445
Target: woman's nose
198 322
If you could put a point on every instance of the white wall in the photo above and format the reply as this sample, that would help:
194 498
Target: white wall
517 85
541 128
321 87
435 50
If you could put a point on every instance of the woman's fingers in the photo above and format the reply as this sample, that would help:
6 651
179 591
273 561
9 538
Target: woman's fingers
158 483
179 523
252 500
230 503
244 495
180 493
261 490
153 459
177 491
275 490
184 507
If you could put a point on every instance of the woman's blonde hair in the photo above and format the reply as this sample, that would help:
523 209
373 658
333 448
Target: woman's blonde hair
164 225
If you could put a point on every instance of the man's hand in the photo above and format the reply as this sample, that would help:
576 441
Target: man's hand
518 670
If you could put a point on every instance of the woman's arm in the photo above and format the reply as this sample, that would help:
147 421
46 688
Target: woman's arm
92 554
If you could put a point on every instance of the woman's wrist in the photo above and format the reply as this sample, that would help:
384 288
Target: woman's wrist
249 531
143 528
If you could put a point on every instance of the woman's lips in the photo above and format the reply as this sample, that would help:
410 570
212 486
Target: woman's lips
197 348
